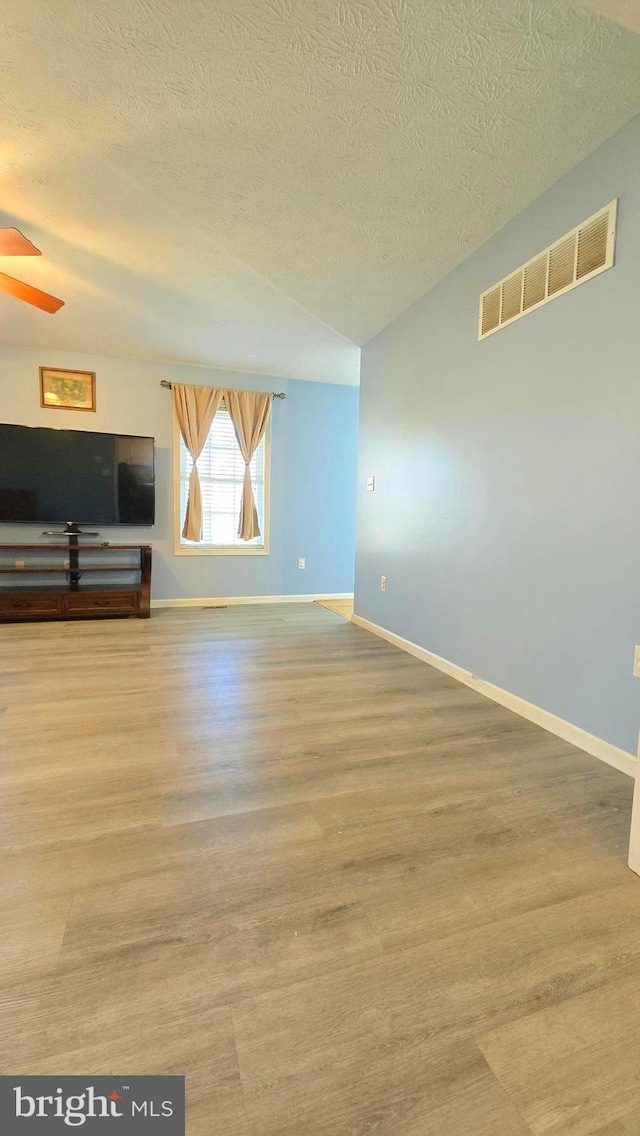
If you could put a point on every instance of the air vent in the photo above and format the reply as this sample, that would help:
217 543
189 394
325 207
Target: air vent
490 313
584 252
535 282
592 246
562 265
511 297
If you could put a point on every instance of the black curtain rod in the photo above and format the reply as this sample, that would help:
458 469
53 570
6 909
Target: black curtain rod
164 383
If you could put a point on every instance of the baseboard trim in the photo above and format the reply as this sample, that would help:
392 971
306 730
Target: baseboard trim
605 751
229 601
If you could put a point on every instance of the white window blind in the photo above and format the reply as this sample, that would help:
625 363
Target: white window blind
221 470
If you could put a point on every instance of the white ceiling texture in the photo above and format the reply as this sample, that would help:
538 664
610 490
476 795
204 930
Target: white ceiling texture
626 12
265 184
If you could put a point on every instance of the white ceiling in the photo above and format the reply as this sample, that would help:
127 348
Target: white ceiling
264 184
625 12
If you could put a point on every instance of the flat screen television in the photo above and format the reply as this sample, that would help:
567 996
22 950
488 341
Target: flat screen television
54 476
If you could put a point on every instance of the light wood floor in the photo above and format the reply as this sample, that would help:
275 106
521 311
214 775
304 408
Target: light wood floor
341 893
339 607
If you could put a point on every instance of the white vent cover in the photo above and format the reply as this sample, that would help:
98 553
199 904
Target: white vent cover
584 252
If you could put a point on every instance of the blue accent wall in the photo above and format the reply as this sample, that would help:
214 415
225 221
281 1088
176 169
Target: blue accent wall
313 470
506 514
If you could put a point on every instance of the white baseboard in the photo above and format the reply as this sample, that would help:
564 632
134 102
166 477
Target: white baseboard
618 758
228 601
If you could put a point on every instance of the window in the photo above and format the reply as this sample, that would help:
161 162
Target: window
221 470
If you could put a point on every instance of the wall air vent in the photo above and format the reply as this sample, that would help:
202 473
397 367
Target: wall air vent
584 252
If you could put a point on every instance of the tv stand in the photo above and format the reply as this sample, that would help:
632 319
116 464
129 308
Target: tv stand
72 532
29 590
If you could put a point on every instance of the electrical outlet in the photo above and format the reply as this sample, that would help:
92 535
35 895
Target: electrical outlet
636 662
383 583
371 484
19 564
302 562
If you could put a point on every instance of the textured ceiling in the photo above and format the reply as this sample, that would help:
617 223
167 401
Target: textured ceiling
625 12
264 184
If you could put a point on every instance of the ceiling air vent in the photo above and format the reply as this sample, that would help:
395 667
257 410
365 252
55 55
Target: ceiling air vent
584 252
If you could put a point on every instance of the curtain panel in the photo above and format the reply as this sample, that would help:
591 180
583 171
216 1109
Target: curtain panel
195 408
249 412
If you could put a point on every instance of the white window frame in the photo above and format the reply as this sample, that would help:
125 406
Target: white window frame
219 549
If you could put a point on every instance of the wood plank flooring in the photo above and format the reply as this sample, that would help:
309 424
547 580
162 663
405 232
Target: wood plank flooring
340 607
341 893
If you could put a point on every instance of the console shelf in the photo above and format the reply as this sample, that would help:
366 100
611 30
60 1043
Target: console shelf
86 568
71 598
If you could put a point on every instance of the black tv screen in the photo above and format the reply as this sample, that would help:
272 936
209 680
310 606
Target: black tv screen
55 476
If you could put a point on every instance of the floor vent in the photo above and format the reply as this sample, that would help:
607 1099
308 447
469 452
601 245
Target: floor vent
584 252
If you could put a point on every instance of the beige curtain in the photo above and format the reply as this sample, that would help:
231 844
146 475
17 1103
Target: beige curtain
196 409
249 411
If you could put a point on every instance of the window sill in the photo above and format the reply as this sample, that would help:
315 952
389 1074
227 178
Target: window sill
219 550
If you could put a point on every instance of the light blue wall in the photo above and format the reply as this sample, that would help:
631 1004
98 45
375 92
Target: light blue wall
313 470
506 514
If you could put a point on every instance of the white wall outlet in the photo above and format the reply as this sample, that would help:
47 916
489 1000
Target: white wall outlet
636 662
371 484
383 583
19 564
302 562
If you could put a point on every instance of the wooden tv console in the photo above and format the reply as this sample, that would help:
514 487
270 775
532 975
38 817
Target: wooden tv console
72 597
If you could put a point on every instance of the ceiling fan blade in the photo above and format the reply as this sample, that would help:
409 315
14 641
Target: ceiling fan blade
14 243
31 295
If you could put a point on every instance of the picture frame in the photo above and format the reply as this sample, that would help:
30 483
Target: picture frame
63 389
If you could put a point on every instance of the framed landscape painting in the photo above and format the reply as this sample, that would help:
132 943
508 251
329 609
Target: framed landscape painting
67 390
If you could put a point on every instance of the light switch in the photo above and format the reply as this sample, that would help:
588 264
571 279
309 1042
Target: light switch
371 484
